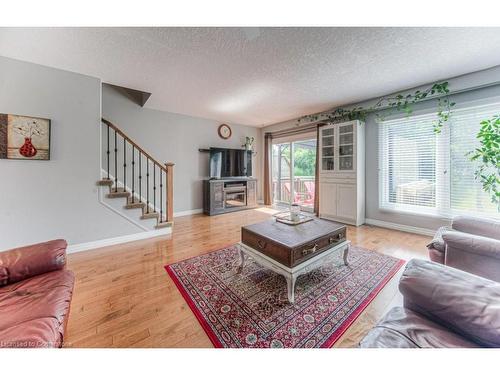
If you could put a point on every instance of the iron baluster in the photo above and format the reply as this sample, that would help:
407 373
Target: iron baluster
133 173
107 149
147 185
124 165
161 195
116 165
154 187
140 177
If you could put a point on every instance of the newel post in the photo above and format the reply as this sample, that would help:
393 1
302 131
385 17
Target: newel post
170 191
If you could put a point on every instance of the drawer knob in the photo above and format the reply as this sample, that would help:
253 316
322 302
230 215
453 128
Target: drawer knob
312 250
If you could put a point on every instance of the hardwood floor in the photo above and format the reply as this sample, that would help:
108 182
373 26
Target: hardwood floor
124 298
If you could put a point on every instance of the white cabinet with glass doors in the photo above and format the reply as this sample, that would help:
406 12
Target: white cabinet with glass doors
342 172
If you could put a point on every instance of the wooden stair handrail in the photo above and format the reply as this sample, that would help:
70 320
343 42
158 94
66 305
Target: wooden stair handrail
168 168
117 129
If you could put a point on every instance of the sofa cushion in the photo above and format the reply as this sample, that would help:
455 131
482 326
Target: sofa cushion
403 328
463 302
34 311
478 226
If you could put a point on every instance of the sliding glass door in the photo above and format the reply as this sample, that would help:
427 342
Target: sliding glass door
281 172
293 171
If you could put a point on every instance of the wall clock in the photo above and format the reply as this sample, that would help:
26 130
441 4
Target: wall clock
225 131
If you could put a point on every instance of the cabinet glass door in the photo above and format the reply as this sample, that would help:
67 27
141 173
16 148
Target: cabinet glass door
346 147
328 149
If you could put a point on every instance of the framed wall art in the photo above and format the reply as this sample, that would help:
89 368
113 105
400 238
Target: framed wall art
24 137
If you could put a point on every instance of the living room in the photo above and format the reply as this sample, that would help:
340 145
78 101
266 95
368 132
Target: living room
246 186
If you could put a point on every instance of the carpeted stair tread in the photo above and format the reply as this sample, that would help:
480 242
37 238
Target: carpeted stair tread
136 204
150 215
165 224
118 193
105 182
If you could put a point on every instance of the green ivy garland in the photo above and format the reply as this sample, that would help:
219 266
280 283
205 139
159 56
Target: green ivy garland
488 153
399 102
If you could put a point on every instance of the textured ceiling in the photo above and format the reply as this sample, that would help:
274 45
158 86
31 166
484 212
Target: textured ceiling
258 76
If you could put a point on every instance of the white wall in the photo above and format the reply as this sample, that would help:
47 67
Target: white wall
176 138
43 200
477 79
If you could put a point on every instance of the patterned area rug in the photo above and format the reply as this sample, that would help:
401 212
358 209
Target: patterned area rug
251 310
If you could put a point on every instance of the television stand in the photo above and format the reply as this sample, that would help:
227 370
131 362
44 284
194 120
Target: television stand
227 195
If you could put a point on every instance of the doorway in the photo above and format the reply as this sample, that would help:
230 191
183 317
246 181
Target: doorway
293 173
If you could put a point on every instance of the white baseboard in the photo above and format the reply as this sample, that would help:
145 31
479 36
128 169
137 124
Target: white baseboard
401 227
188 212
117 240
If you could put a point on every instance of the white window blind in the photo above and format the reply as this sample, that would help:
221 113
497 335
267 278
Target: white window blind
424 172
466 193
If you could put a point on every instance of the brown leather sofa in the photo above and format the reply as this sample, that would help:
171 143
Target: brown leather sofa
443 308
35 295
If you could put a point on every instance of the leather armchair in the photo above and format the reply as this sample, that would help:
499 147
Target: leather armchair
443 307
35 295
471 244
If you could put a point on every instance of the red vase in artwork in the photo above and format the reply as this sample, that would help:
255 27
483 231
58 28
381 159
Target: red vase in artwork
27 149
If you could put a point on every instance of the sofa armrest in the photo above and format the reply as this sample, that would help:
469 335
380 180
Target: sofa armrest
478 226
471 243
28 261
474 254
460 301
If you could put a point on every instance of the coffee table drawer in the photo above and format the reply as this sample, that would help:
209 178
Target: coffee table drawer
292 256
267 247
302 253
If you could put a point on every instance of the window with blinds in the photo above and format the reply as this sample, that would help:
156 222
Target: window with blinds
424 172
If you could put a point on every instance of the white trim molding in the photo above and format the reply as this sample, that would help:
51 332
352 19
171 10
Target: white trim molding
401 227
117 240
103 190
188 212
102 194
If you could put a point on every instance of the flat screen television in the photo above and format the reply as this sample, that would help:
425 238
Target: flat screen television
226 162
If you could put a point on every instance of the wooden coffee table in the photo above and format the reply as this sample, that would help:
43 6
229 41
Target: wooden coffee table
292 250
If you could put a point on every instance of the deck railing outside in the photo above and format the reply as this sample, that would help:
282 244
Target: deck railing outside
304 188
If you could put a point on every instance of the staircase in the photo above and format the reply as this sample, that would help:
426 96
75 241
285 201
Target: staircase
130 173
